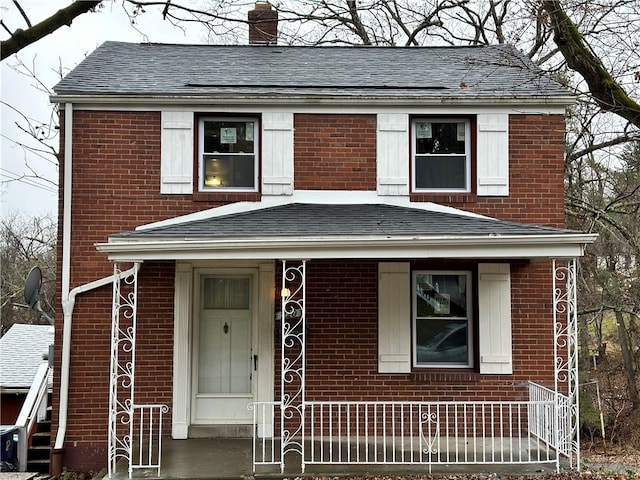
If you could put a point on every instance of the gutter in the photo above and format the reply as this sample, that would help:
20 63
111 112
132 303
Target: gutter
538 246
108 98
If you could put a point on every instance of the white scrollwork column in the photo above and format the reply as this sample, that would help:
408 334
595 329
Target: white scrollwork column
292 361
565 316
122 369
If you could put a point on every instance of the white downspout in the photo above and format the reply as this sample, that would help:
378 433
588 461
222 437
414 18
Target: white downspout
67 307
69 297
67 303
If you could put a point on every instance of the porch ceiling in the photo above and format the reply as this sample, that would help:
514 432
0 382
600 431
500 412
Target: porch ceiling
306 230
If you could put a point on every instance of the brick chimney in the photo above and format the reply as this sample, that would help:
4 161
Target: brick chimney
263 24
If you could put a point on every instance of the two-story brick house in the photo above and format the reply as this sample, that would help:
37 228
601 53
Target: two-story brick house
413 198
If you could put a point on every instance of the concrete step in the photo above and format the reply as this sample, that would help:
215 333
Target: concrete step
221 431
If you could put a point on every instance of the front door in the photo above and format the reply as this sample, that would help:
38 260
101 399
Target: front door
223 363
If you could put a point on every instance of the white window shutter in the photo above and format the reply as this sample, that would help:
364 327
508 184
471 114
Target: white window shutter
394 317
176 156
393 154
277 153
494 305
493 154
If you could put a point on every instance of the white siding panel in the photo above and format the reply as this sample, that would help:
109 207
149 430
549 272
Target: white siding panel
394 317
393 154
493 154
180 413
176 157
494 304
265 348
277 153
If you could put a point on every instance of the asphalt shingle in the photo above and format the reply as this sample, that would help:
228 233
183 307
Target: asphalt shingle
301 219
21 350
118 68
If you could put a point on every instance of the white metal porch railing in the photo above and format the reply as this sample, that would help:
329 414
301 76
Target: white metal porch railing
552 430
135 430
414 433
147 452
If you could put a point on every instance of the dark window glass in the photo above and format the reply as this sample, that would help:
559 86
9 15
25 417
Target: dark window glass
228 157
441 325
441 155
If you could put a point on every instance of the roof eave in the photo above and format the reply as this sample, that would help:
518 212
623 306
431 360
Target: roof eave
280 99
531 247
15 389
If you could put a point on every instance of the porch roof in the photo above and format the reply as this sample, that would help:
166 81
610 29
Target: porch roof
308 230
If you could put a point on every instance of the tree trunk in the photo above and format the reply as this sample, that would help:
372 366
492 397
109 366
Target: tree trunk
627 359
580 58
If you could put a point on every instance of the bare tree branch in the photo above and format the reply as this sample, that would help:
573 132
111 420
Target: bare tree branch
21 38
580 58
22 12
620 140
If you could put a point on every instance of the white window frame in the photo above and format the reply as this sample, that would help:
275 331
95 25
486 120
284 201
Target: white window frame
256 141
469 319
467 144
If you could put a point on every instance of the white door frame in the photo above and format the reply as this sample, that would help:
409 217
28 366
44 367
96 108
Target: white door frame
263 334
212 402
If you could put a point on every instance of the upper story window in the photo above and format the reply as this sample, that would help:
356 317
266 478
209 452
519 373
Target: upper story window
441 155
228 154
442 319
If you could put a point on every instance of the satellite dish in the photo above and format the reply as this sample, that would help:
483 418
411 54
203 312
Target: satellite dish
32 286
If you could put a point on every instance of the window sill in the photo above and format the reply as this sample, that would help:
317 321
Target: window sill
447 377
227 197
443 197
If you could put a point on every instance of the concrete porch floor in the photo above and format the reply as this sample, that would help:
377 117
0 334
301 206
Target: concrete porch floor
231 459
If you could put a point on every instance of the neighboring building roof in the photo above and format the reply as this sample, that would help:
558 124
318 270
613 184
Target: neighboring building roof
21 351
306 220
472 72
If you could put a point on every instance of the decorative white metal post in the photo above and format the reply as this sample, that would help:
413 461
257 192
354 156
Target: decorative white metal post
565 316
122 370
293 361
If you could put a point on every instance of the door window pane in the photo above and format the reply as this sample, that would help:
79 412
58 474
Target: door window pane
225 293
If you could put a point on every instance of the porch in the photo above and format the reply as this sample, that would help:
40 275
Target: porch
299 434
415 436
357 438
224 458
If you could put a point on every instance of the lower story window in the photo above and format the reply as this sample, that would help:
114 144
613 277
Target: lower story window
442 319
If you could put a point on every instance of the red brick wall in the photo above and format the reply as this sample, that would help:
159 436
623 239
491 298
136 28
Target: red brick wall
335 152
90 353
536 176
341 308
116 188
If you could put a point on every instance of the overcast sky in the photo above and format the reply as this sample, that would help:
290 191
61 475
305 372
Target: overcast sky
64 49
